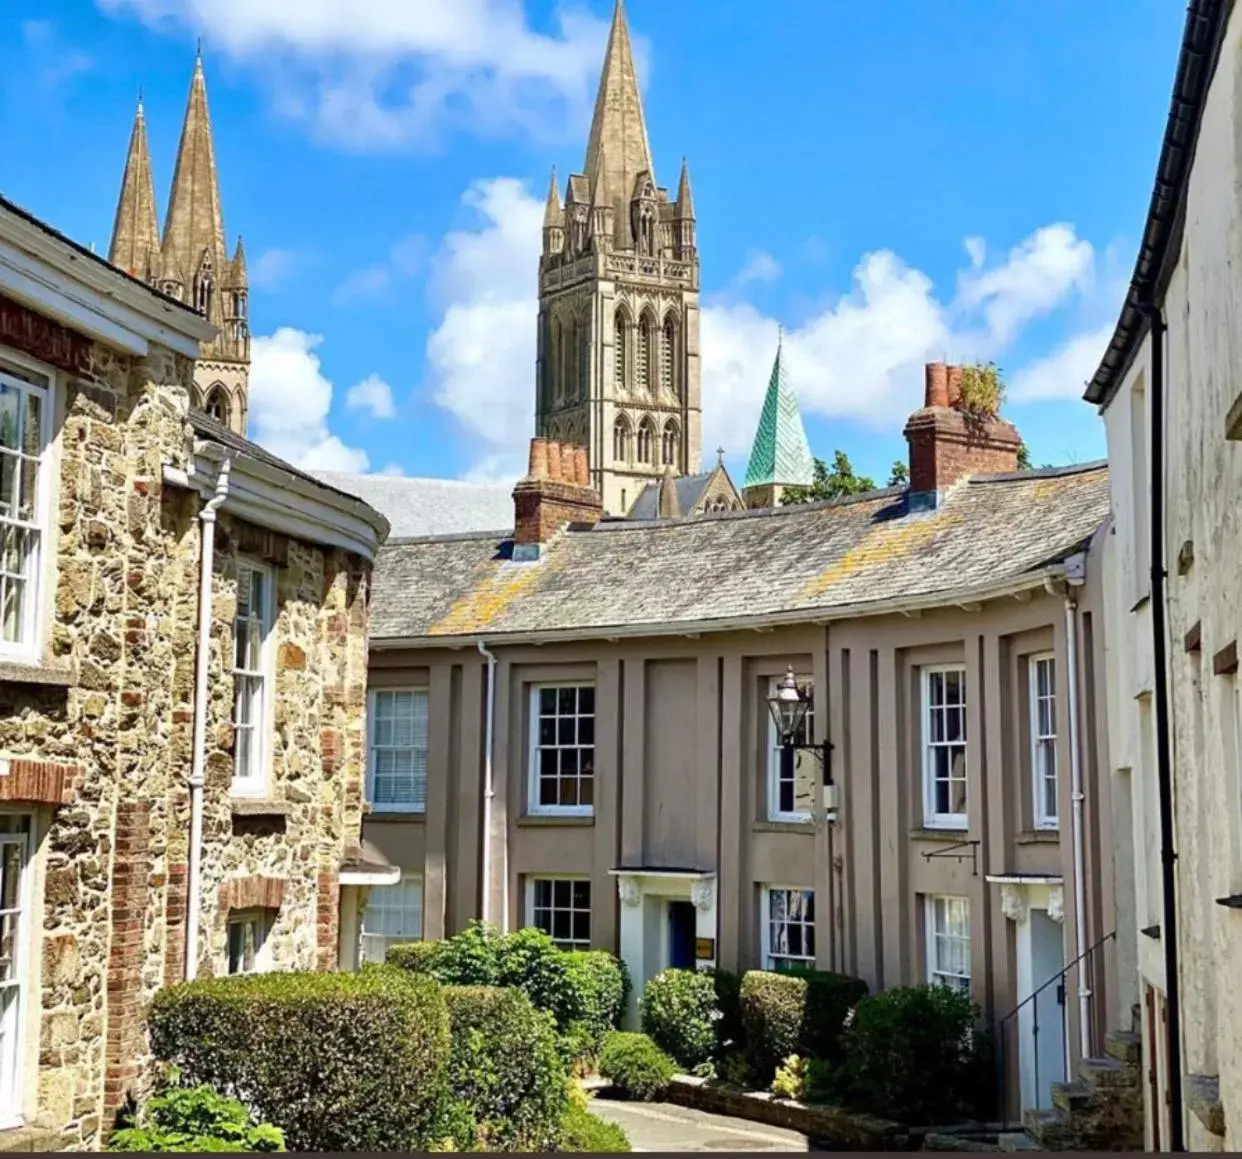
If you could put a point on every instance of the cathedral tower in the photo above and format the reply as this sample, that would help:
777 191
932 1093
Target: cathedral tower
618 368
192 262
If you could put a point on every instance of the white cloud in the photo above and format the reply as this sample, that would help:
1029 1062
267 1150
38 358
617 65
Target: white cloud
289 403
372 394
860 358
365 283
56 63
383 73
273 268
1065 372
406 257
760 266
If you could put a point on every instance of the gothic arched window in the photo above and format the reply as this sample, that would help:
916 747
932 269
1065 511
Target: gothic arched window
621 357
621 440
668 356
584 359
669 444
646 440
557 360
218 404
643 378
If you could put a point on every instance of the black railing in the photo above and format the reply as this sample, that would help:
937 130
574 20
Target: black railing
1085 963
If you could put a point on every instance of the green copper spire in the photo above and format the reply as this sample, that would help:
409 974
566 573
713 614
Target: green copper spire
781 455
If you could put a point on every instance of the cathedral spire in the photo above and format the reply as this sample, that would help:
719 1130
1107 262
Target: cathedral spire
684 206
781 456
135 231
194 225
618 144
552 212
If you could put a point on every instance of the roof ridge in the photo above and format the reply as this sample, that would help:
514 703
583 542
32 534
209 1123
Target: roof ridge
448 537
1041 472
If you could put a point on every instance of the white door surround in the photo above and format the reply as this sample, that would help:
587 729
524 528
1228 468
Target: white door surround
1036 905
644 933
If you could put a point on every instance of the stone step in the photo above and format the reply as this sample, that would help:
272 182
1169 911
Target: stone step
1107 1074
1049 1127
1124 1047
1069 1097
1017 1141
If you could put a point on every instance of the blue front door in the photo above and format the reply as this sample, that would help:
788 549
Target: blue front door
681 935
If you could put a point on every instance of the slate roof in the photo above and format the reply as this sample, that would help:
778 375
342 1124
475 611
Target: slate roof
779 562
780 453
690 490
430 506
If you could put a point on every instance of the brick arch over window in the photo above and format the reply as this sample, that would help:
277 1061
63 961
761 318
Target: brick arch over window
622 436
646 440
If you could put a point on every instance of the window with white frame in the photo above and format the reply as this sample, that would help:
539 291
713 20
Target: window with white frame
561 907
948 942
252 630
24 401
15 933
397 761
393 914
247 932
1043 682
788 928
944 747
791 789
562 764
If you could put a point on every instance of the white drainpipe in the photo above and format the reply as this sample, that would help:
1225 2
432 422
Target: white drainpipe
489 791
1077 796
194 872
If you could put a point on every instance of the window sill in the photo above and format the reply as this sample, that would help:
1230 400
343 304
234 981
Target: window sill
948 836
1039 837
259 807
552 821
373 814
777 825
56 674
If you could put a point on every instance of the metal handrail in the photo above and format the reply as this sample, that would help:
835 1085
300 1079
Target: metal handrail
1058 979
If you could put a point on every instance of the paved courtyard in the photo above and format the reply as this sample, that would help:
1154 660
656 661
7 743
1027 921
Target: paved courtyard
665 1127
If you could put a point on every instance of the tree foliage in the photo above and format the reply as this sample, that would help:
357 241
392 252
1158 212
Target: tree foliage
899 476
829 484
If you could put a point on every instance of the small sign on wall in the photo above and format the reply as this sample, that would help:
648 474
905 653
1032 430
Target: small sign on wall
704 949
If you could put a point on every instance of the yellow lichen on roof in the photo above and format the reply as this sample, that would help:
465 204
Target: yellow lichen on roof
883 544
476 609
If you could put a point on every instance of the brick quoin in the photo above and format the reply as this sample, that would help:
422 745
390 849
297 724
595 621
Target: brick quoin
130 889
176 900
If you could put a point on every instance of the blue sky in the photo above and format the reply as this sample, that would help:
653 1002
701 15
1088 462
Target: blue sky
891 181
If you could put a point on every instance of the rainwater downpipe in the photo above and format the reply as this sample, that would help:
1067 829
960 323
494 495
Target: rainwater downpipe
489 792
1164 765
194 869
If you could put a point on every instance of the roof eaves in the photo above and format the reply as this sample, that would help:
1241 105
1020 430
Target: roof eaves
1206 22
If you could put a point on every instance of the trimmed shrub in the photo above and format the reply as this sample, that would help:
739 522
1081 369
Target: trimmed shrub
800 1012
468 958
578 1049
505 1068
417 957
339 1062
598 986
914 1055
637 1067
180 1120
679 1013
530 961
583 1131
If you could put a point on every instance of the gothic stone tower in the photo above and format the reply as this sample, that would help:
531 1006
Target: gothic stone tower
618 369
192 262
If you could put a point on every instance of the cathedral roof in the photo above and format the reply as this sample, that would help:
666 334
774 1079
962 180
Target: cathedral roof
430 506
136 233
863 554
690 490
781 454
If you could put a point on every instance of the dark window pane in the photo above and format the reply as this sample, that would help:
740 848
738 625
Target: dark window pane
586 701
548 791
786 794
565 701
547 730
543 890
586 790
586 730
565 730
569 792
568 762
582 926
561 893
547 701
549 760
582 895
562 927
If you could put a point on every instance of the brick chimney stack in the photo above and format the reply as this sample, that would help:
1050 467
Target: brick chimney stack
948 443
556 491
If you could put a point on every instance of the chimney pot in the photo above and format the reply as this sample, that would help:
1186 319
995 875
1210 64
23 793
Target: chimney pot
954 376
555 470
555 493
937 391
538 458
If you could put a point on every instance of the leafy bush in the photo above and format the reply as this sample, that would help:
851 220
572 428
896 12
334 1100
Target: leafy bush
505 1068
417 957
728 1002
914 1055
795 1013
339 1062
679 1012
578 1049
583 1131
637 1067
178 1119
790 1080
734 1070
598 988
468 958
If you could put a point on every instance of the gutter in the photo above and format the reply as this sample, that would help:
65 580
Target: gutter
1031 581
197 777
489 792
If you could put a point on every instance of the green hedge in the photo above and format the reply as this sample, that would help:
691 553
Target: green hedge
795 1013
338 1062
598 986
679 1012
505 1068
915 1055
635 1065
583 1131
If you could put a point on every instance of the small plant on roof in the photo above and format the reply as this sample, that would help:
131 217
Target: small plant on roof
982 389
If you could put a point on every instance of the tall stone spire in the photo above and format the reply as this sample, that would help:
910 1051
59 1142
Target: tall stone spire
781 456
135 244
194 225
685 200
618 139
